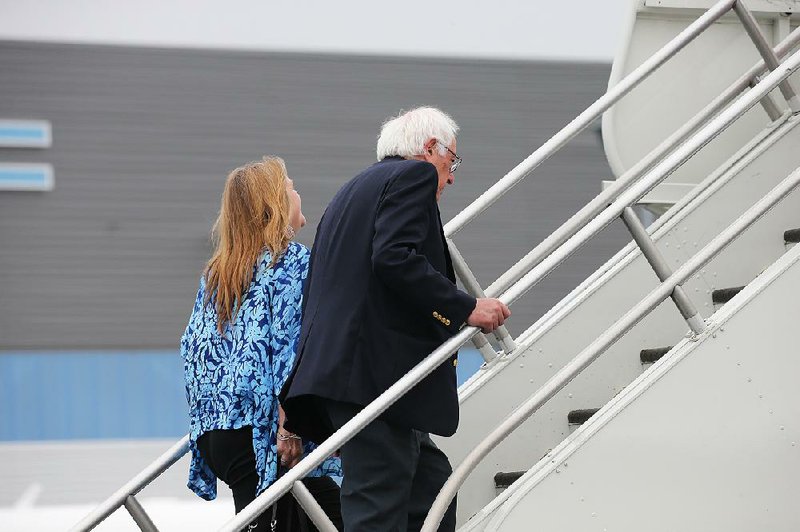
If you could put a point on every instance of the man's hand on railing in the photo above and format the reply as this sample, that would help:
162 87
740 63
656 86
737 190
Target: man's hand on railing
489 314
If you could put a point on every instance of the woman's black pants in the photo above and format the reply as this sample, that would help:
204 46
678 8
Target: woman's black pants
229 454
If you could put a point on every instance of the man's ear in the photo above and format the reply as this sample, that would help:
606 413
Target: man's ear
429 146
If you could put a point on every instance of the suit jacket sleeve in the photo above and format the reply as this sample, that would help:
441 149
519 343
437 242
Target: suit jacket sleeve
404 219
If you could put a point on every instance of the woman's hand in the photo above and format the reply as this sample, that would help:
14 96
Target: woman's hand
290 448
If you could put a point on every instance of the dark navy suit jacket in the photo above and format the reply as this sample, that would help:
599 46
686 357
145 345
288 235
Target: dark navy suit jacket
380 297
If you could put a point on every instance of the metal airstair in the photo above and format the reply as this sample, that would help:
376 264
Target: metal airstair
614 403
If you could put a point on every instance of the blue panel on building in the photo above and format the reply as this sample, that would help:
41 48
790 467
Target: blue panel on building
25 134
128 394
65 395
26 176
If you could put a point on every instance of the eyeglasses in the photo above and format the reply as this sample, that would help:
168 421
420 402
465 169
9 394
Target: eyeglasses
456 159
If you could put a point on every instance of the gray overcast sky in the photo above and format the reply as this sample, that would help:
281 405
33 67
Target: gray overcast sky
533 29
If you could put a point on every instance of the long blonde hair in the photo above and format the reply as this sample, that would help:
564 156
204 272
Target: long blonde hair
253 215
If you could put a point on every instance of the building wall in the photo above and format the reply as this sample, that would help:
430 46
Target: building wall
143 138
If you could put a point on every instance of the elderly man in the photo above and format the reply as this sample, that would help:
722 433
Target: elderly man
381 296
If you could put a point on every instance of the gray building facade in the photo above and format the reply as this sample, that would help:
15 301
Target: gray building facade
143 139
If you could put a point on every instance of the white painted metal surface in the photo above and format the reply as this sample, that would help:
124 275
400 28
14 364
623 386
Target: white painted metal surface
707 440
494 392
661 104
761 6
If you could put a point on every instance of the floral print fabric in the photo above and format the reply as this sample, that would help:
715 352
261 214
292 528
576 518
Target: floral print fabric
233 379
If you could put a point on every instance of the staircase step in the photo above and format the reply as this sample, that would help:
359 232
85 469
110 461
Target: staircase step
579 417
792 236
648 356
723 295
504 480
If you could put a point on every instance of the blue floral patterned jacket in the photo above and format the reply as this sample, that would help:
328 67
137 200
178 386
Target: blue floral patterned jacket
233 379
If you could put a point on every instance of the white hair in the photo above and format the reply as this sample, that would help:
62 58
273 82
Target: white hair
406 134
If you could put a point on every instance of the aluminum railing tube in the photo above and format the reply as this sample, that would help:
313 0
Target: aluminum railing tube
599 202
472 286
654 177
583 120
596 348
662 270
138 514
312 508
751 27
134 486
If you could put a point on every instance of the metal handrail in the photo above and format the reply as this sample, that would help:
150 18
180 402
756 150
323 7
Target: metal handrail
659 172
125 496
583 120
421 370
766 51
596 348
312 508
567 229
471 285
599 202
561 234
134 486
349 429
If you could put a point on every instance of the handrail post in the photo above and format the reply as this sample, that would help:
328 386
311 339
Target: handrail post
484 347
139 515
768 102
312 508
662 270
751 27
470 282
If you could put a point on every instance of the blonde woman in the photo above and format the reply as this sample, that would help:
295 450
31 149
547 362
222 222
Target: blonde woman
238 348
